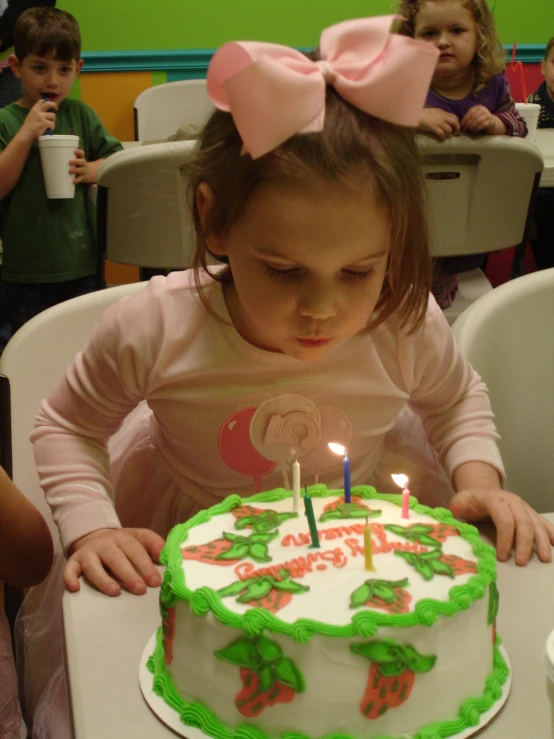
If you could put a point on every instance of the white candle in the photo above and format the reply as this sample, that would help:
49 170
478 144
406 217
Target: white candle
295 486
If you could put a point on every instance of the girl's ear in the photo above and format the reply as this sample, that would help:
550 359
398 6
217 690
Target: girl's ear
205 200
15 66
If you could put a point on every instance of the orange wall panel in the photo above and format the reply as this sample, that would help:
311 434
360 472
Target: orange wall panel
111 95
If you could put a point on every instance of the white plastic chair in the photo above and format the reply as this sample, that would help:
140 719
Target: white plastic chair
480 189
142 206
162 109
507 336
33 361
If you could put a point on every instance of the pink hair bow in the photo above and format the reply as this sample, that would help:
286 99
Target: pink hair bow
274 92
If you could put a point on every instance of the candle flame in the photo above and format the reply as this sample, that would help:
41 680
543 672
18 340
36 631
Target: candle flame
337 448
400 480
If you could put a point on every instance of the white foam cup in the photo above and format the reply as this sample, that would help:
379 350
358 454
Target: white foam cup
55 154
530 114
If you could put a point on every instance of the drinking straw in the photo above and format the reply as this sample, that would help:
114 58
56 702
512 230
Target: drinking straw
518 65
48 130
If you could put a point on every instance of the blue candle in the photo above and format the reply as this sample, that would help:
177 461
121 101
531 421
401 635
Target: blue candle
346 464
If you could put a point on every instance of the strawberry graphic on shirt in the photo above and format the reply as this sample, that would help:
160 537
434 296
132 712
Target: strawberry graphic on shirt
266 591
261 520
267 676
430 535
392 674
429 564
390 595
339 510
231 549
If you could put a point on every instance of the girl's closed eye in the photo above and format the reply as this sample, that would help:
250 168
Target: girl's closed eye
353 274
281 271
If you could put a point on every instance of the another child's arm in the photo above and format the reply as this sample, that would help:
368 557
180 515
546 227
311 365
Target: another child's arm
505 120
480 497
13 157
439 122
25 543
479 119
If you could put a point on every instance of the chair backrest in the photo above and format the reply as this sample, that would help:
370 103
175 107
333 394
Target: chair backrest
507 336
142 205
480 189
33 361
162 109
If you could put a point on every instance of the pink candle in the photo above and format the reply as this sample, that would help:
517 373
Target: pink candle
402 480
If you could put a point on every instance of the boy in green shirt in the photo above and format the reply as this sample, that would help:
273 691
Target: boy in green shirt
49 245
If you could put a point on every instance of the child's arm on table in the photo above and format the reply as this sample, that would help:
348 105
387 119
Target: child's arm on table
127 553
12 160
25 543
439 122
480 497
84 171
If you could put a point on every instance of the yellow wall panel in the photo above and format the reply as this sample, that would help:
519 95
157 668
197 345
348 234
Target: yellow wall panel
111 95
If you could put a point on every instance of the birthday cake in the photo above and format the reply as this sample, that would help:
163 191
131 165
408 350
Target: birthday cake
265 635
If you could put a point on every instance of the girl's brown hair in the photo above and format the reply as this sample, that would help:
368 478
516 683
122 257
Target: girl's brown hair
490 58
351 146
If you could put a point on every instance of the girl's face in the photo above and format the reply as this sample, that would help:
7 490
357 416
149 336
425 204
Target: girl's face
308 265
451 28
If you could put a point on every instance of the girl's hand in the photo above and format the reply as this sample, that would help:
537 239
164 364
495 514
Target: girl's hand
126 554
480 120
514 520
39 118
80 168
439 122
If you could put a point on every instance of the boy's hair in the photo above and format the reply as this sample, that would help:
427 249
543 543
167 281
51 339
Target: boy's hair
549 47
356 152
47 32
490 57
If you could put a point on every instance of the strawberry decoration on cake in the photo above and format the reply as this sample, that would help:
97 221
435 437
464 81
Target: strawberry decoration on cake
261 520
389 595
435 562
268 677
231 549
392 674
266 591
430 535
338 509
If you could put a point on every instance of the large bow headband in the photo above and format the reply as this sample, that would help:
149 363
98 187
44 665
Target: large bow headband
274 91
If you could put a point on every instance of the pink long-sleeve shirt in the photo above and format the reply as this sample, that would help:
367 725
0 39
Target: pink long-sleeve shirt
226 417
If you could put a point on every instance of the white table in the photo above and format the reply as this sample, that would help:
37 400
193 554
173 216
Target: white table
105 637
545 142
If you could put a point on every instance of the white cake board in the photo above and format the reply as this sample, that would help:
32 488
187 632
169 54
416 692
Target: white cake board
170 717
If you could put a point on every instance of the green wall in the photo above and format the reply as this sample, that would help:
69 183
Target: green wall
109 25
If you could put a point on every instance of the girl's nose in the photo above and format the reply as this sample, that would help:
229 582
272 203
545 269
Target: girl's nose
318 304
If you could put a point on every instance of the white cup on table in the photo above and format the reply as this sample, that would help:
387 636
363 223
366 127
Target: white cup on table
530 114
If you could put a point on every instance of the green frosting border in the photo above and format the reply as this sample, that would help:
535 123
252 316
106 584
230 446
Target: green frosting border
364 624
198 715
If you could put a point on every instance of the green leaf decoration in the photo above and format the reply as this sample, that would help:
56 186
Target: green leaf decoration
393 658
259 553
494 599
256 589
263 538
349 510
384 590
242 652
266 678
288 674
235 588
264 522
427 564
416 533
290 586
268 649
441 568
237 550
245 522
361 595
232 537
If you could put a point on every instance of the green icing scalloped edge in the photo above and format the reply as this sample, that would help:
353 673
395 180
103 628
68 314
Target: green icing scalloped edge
365 623
197 714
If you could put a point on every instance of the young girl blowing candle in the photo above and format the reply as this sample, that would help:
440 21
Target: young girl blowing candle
318 327
469 93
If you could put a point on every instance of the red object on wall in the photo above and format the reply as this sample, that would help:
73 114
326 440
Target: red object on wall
533 79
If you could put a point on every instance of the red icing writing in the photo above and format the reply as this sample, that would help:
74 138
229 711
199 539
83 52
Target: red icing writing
356 547
297 567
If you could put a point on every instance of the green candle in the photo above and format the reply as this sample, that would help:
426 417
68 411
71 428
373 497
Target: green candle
309 508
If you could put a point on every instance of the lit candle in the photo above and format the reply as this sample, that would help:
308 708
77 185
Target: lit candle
340 449
402 480
309 508
368 550
295 485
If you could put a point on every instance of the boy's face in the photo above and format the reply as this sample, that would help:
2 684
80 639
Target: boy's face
45 77
547 68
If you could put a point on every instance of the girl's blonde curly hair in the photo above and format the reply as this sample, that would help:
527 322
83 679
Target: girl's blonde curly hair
490 58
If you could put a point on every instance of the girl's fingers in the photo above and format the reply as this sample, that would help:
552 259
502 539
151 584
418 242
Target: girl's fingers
525 530
91 566
116 560
71 573
503 519
141 561
544 533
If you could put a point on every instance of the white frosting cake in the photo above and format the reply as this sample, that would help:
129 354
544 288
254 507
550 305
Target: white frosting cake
264 634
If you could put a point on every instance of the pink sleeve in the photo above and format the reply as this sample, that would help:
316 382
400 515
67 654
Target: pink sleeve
449 396
102 385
